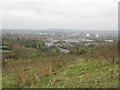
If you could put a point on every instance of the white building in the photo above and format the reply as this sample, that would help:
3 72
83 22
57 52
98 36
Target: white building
109 40
87 35
97 35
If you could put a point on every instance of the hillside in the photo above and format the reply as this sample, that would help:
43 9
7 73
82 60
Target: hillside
32 64
81 73
87 74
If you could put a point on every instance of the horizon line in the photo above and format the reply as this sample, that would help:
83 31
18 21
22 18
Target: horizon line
60 29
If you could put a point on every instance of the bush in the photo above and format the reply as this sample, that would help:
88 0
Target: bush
19 51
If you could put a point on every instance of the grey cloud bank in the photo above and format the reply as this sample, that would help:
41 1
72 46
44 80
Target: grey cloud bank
60 14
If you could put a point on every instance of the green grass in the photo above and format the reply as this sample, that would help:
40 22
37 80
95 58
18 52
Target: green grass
5 51
81 73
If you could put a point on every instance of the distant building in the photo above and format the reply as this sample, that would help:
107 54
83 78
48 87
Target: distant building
87 35
109 40
97 35
49 44
86 40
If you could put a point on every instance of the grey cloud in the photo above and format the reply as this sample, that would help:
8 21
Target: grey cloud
74 14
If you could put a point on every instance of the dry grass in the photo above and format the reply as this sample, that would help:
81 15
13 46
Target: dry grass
25 72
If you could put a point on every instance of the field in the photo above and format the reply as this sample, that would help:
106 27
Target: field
38 66
80 73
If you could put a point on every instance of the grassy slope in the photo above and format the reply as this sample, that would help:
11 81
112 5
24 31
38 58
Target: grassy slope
81 73
88 74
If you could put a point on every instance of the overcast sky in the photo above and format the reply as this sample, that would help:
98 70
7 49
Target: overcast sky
60 14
